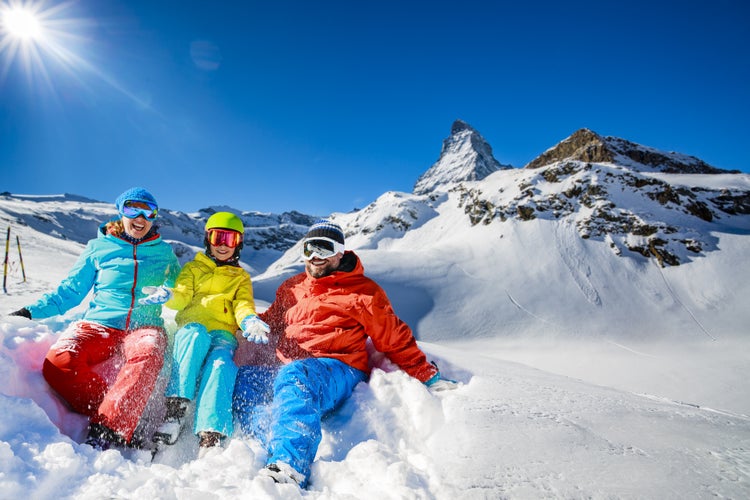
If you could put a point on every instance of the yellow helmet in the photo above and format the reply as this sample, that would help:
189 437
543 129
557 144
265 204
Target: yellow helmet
225 220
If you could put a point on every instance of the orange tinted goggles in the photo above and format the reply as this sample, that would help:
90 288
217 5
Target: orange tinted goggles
218 237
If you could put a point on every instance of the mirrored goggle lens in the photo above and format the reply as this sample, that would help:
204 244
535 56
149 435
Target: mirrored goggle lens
218 237
132 209
321 249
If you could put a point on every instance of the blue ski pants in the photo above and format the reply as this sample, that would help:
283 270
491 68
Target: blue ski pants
203 360
303 392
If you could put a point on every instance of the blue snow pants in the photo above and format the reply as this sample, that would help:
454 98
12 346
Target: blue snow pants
205 357
304 391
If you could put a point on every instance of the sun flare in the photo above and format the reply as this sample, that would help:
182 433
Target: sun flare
38 35
22 23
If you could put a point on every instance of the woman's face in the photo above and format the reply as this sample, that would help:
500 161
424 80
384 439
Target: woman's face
137 228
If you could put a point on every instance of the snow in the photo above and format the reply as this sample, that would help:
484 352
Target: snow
583 375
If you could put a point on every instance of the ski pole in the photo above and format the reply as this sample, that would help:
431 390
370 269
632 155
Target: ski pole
20 257
5 267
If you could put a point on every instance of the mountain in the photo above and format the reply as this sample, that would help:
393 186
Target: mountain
608 231
587 146
465 156
633 207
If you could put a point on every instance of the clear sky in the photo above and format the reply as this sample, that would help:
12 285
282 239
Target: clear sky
323 106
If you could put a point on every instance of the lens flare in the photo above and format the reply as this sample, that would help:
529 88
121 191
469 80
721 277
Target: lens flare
37 35
46 40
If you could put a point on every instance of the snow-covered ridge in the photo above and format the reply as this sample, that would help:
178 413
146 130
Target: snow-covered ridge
654 215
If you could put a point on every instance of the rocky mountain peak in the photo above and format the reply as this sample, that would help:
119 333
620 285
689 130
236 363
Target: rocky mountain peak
459 126
584 145
588 146
466 156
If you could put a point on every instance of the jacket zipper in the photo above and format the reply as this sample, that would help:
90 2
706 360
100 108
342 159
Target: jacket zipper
132 290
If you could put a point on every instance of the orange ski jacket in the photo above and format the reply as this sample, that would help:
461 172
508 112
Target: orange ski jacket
332 317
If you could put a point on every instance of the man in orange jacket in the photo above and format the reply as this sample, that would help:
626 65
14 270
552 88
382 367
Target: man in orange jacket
320 321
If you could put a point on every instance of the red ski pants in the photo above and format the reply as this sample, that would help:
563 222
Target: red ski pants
68 369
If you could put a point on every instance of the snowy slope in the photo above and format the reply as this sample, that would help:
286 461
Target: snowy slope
509 432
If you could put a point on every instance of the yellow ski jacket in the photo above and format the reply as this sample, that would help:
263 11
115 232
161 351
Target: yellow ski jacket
218 297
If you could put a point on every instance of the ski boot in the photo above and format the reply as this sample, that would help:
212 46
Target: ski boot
209 441
170 429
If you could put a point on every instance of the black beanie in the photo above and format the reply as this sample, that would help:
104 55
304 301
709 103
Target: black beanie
324 228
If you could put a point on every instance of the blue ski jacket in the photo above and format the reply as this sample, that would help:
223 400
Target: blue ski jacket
116 270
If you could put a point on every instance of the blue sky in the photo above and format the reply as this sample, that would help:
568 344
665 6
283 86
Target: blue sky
323 106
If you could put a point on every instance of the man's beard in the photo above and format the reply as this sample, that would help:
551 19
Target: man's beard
318 271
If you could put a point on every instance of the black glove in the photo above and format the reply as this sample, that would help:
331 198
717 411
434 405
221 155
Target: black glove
21 312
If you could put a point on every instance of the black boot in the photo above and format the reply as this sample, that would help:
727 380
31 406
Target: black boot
102 438
169 431
208 440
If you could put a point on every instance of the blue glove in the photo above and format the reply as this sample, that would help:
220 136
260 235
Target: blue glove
155 295
255 329
437 383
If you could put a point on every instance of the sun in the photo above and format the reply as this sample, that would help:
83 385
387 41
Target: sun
37 35
21 22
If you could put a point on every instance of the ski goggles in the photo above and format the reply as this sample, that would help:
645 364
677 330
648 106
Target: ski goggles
218 237
321 248
133 209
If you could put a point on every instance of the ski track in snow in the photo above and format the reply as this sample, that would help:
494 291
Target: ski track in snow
694 405
680 302
567 246
630 350
520 307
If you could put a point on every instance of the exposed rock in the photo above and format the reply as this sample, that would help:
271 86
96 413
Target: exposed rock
587 146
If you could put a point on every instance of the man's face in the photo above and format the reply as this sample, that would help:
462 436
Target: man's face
318 268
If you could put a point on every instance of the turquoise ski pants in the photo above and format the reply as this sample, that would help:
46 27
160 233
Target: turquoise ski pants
205 357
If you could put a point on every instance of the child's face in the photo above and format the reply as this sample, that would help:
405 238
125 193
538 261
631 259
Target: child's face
221 252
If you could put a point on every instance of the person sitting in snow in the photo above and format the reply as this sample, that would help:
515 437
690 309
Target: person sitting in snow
213 295
127 255
320 321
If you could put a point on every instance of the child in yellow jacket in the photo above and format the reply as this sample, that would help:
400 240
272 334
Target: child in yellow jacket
213 295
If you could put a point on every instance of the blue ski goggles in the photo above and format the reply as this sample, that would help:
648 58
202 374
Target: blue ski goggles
133 209
321 248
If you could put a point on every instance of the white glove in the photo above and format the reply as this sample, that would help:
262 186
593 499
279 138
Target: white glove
255 329
155 295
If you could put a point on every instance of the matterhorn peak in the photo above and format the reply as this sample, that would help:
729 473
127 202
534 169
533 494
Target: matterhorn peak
466 156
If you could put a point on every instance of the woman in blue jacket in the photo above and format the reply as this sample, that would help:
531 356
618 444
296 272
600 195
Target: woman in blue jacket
127 255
